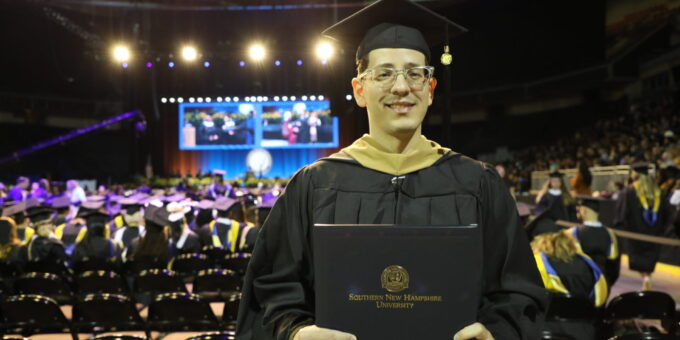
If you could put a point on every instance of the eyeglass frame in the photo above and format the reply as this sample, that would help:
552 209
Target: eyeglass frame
397 71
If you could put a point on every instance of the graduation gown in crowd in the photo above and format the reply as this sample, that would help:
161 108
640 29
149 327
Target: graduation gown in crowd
44 248
642 256
70 234
229 234
96 247
601 245
555 209
126 234
451 189
25 234
187 242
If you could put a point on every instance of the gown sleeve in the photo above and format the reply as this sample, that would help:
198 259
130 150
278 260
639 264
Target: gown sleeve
514 299
278 290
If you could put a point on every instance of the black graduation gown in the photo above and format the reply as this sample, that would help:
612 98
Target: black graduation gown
578 279
126 234
555 208
95 248
43 248
642 256
192 244
278 293
595 242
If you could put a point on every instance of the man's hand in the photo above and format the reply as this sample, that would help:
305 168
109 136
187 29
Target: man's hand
474 331
317 333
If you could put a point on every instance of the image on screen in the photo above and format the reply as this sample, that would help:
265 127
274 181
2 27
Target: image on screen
247 125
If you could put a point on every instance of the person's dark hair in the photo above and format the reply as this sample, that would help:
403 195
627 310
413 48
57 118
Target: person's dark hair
362 64
203 217
153 244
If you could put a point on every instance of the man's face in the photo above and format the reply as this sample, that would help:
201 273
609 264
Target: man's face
400 109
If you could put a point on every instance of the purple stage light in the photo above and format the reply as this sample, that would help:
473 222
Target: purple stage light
324 62
206 64
242 63
149 64
299 62
125 65
171 64
277 63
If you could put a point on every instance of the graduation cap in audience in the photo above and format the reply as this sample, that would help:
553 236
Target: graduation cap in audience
96 198
205 205
61 203
14 210
177 211
39 214
267 200
640 167
96 218
131 205
157 215
555 174
224 203
175 198
395 24
590 202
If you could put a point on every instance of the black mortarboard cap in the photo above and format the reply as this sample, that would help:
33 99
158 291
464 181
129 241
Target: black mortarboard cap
158 215
39 213
640 167
590 202
555 174
224 203
96 218
206 205
61 202
394 24
14 209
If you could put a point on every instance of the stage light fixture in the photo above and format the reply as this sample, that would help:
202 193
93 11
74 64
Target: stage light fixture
277 63
257 52
320 97
171 64
149 64
292 97
348 97
199 99
299 62
180 100
208 99
235 99
259 98
324 62
265 98
284 98
206 64
121 53
312 98
164 100
324 50
227 99
276 98
304 98
192 99
172 99
242 63
124 65
189 53
219 99
247 99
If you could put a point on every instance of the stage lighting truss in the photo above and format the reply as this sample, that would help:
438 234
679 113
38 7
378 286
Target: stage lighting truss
250 99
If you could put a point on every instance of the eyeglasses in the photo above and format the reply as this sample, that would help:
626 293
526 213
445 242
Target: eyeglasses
385 77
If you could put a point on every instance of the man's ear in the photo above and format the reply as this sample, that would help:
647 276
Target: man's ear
358 89
433 85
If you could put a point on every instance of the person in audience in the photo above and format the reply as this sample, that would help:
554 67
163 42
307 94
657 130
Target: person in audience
20 191
72 232
204 215
9 241
61 206
596 240
75 192
17 212
131 220
44 246
96 244
154 243
565 270
182 239
40 189
582 181
642 209
226 231
556 199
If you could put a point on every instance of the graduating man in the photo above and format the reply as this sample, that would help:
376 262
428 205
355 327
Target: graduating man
392 175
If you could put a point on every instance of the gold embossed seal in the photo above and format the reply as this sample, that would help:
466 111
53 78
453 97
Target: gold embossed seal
394 279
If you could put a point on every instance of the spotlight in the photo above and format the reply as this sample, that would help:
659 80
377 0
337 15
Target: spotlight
324 50
304 98
171 64
312 98
208 99
241 63
247 99
324 62
265 98
206 64
348 97
284 98
191 99
149 64
276 98
227 99
235 99
299 62
199 99
164 100
256 52
277 63
219 99
125 65
180 100
121 53
172 99
189 53
292 97
259 98
320 97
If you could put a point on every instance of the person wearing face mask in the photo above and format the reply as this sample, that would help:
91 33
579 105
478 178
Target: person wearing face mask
182 239
392 175
131 220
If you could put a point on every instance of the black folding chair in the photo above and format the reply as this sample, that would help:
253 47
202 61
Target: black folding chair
48 266
45 284
564 307
217 284
224 335
180 312
158 281
555 336
98 313
135 266
119 337
187 265
216 255
646 336
237 262
641 305
95 264
33 314
231 311
94 282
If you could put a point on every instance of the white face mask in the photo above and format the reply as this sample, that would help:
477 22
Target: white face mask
675 198
555 192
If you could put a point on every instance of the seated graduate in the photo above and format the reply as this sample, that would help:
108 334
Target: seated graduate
596 240
182 239
62 208
154 243
204 214
17 212
73 231
96 243
131 221
9 241
567 271
44 246
226 231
